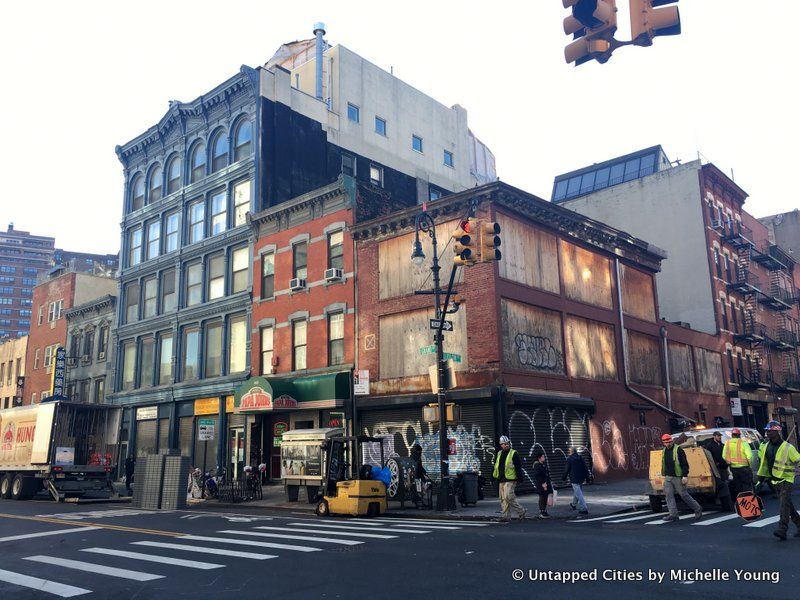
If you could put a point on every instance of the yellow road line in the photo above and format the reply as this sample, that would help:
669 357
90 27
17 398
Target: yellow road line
87 524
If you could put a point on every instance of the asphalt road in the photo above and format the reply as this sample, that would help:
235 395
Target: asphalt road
115 551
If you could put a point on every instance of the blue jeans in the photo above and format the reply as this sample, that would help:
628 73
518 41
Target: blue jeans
577 497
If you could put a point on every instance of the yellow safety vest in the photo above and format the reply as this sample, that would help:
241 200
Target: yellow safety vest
785 459
510 471
737 453
675 461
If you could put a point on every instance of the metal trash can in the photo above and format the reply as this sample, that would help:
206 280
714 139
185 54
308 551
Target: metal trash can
469 488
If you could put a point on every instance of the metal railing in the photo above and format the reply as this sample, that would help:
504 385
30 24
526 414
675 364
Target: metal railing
745 281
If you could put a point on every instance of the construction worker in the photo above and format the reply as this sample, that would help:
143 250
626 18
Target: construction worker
507 469
675 469
778 459
737 454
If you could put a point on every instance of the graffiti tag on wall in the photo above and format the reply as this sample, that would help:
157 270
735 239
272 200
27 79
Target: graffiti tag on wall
625 452
538 352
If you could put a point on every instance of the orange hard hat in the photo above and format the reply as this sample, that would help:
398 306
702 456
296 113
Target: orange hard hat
666 437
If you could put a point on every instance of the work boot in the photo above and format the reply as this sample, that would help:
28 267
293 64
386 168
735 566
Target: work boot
670 518
523 515
544 515
781 535
572 506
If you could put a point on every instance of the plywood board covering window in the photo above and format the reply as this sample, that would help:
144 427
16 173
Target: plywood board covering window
638 299
709 371
403 335
644 359
530 256
531 338
681 367
591 349
586 275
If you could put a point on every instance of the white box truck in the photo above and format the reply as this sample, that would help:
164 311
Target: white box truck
61 448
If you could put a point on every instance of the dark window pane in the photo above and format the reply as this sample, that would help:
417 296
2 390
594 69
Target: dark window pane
587 182
601 180
219 158
632 169
561 190
243 145
647 165
198 162
617 172
574 186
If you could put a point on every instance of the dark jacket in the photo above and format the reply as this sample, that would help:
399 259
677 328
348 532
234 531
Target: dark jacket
576 470
501 468
130 466
669 465
716 453
541 474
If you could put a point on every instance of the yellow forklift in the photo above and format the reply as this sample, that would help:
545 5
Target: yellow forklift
339 495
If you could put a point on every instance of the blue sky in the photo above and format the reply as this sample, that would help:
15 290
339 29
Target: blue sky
80 78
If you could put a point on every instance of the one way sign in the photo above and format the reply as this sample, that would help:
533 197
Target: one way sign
448 325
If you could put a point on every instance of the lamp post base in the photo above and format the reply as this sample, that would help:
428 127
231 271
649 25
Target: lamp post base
446 498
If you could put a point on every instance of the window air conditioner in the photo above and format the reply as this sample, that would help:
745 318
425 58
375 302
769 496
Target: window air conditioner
334 274
101 355
297 284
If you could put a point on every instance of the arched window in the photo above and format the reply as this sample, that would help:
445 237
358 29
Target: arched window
156 183
198 162
137 193
243 144
174 175
219 155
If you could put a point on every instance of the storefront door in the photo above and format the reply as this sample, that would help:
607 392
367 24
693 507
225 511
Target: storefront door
278 425
236 440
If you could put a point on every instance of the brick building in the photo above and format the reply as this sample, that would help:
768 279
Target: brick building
556 345
12 371
724 274
57 293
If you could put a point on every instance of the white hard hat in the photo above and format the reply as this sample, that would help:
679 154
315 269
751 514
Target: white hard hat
504 439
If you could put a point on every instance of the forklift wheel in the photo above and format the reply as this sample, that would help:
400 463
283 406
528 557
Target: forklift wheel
322 509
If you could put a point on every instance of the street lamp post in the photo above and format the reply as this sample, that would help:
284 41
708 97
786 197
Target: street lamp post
424 223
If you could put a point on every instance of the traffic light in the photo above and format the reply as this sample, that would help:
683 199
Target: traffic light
648 22
592 25
489 241
466 251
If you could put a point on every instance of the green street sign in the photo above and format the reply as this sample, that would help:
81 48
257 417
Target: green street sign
428 350
453 357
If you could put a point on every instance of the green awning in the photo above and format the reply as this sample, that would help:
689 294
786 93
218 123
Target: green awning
259 394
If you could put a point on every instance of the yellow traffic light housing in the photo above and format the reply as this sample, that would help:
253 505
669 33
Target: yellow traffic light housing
489 241
592 24
648 22
465 249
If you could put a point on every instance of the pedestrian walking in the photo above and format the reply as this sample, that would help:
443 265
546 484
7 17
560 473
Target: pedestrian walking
737 453
578 474
130 467
675 469
507 470
777 460
715 447
544 487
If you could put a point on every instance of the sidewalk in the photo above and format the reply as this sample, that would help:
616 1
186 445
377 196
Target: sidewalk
601 498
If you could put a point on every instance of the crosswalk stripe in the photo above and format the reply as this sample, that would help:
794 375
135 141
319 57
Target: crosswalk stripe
363 522
79 565
205 538
717 520
42 585
379 536
635 512
636 518
764 522
432 521
308 538
357 528
204 550
178 562
681 518
25 536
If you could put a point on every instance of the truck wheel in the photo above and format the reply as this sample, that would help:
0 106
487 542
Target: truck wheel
323 510
655 504
19 488
5 485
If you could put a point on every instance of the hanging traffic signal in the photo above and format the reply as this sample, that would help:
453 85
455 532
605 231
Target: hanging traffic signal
489 241
592 25
466 251
648 22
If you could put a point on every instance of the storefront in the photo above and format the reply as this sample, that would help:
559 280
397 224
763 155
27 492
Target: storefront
268 407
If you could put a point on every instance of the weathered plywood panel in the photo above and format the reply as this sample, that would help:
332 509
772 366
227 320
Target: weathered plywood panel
591 349
681 367
644 359
531 338
530 256
638 299
709 371
586 275
398 276
403 334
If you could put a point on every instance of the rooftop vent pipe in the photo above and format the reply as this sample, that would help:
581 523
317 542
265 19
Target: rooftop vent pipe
319 31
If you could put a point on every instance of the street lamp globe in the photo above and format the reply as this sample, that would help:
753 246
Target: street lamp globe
417 255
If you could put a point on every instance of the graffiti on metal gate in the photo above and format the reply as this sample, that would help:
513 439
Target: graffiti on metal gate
538 352
474 450
626 450
564 427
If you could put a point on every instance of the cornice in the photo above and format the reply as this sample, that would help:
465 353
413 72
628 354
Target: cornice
97 305
314 200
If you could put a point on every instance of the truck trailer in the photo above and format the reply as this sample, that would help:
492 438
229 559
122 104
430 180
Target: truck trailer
63 449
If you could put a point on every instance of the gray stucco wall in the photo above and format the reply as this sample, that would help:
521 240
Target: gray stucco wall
664 209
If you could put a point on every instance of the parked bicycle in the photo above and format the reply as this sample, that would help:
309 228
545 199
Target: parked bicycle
252 480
